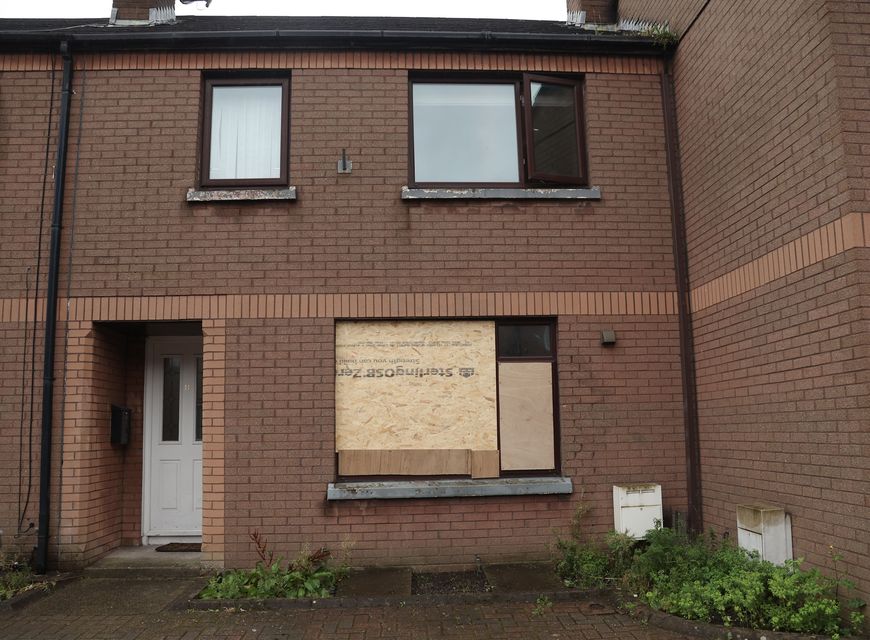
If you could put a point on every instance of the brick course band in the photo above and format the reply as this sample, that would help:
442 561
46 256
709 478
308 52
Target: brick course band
845 233
841 235
340 60
348 305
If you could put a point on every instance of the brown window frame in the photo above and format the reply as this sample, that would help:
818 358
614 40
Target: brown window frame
531 171
529 178
208 85
553 359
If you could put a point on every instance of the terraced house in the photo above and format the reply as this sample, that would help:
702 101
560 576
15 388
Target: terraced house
424 286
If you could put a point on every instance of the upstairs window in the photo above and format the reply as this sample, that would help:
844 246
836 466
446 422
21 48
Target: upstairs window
245 132
507 133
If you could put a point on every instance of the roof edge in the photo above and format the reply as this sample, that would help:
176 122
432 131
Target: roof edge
588 43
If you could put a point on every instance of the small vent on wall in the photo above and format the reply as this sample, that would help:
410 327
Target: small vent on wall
636 508
765 529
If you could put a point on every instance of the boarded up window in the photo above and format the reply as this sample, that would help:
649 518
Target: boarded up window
414 387
419 398
525 399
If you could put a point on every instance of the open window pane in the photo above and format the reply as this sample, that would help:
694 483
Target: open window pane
553 121
465 133
245 132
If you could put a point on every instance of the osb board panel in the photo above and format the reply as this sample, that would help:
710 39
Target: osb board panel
525 396
406 462
415 385
484 464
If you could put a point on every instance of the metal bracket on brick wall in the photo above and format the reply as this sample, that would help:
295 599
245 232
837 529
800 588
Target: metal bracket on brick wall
457 488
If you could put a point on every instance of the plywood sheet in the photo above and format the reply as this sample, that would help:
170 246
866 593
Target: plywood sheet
415 385
484 464
525 392
406 462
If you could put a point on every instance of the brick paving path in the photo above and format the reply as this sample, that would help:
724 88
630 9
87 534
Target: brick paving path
142 610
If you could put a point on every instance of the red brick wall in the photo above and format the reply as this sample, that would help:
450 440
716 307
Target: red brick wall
621 421
93 469
131 507
25 103
136 236
849 25
17 458
770 117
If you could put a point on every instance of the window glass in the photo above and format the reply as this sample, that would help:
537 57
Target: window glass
465 133
554 130
524 341
171 396
245 132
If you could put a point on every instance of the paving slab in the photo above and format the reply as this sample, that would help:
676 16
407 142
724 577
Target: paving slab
138 562
375 583
522 578
124 609
107 596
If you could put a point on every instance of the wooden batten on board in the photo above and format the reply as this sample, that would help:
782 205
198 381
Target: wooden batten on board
418 462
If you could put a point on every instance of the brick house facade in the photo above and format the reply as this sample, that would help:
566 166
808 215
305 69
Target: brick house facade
774 166
262 286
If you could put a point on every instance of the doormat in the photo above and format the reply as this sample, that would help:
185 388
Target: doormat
181 547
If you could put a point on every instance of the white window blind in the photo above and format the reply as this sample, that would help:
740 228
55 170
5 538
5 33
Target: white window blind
245 133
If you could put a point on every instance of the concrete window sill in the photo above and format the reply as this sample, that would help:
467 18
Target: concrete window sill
240 195
592 193
458 488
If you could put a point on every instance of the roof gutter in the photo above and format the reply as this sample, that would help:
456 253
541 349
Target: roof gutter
119 39
41 561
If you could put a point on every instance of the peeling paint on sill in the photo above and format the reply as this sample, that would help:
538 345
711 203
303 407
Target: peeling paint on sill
240 195
592 193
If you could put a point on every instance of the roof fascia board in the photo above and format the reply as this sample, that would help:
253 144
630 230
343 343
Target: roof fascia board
336 39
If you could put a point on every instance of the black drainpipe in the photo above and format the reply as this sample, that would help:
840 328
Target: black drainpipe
51 316
695 519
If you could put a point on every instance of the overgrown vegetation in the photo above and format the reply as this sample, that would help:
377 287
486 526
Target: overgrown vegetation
310 576
710 579
16 577
662 35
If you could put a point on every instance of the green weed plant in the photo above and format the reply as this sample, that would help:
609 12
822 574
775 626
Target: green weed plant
310 576
710 579
16 577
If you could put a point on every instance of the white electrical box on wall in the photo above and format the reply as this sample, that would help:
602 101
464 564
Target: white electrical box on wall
765 529
636 508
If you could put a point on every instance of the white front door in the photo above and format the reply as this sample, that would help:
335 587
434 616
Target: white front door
172 451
